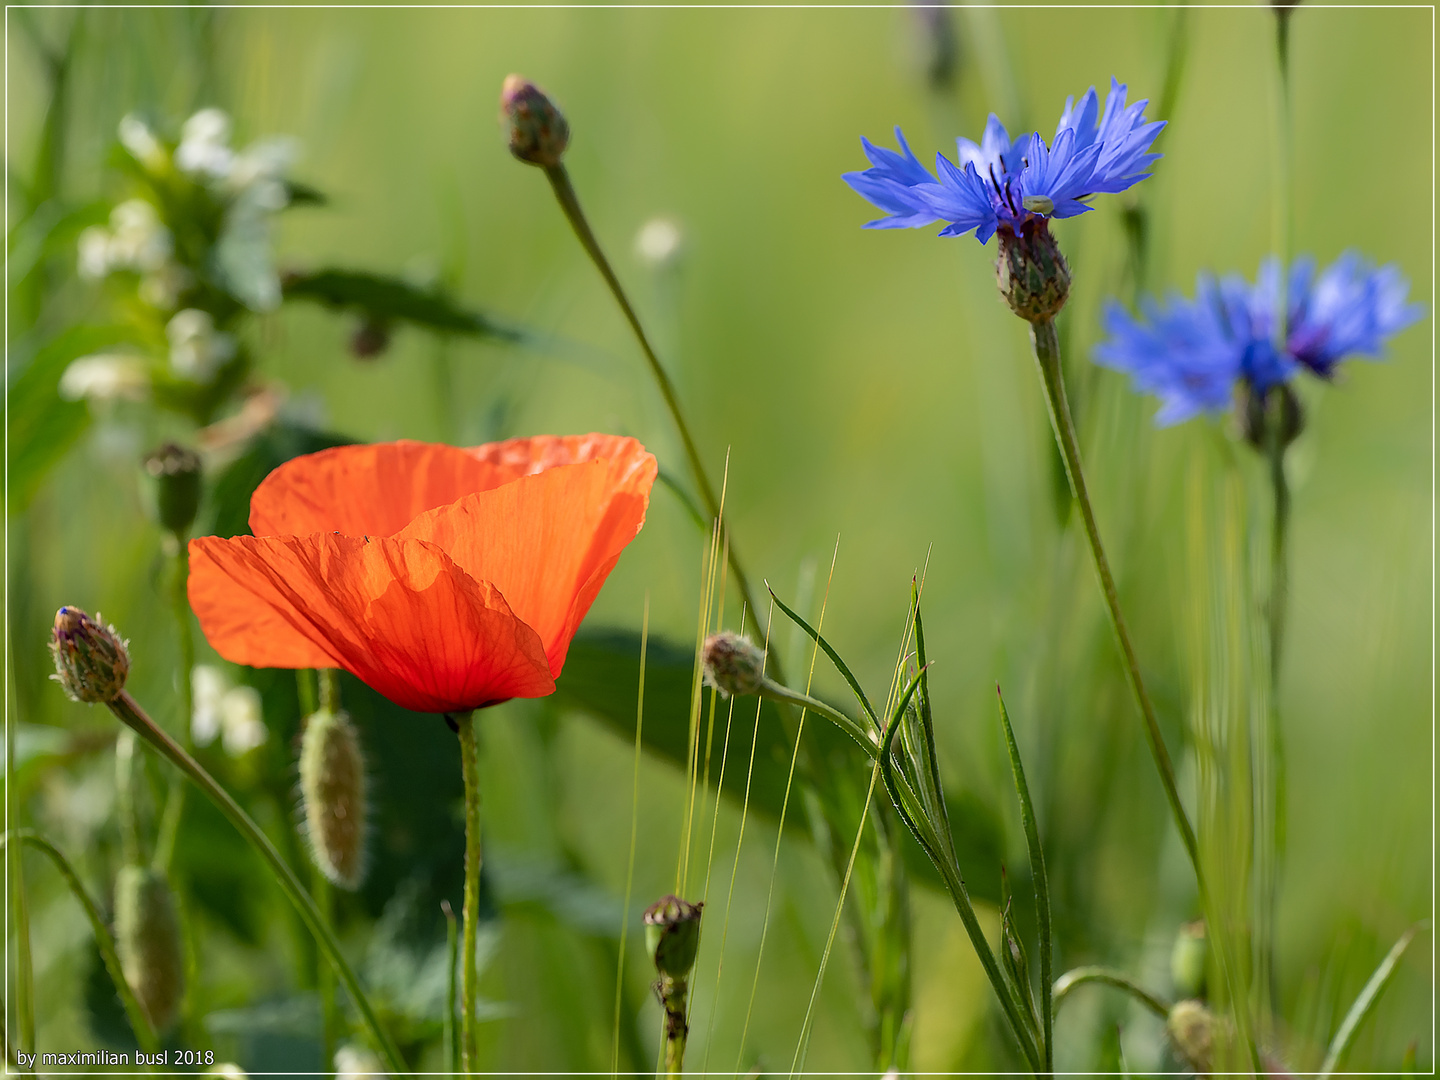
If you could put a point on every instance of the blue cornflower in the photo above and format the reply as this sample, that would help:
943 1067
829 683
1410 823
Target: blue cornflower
1004 184
1193 353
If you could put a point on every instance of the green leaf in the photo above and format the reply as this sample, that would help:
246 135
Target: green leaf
387 299
831 653
1369 997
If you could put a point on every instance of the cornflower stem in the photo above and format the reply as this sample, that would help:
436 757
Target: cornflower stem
470 916
175 798
773 690
674 994
1047 356
1108 977
134 717
24 966
570 203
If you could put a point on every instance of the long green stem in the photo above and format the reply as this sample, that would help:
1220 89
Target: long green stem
1047 356
674 997
565 194
139 1022
175 799
134 717
450 1036
24 968
769 688
469 766
1108 977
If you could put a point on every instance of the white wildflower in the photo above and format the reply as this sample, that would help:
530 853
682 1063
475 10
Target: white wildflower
138 239
205 145
207 688
241 720
94 244
136 137
197 349
106 377
357 1063
659 241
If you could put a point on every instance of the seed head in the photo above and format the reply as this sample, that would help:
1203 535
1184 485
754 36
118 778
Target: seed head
1032 274
147 937
175 473
91 661
733 665
332 786
672 934
537 129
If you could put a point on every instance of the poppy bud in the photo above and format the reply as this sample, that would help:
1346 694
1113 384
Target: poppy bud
175 474
332 786
91 662
672 935
370 338
537 129
1191 1027
1032 274
733 665
147 937
1187 960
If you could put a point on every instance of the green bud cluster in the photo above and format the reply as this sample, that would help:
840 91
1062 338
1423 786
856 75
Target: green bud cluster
174 472
733 664
91 661
1032 274
537 130
147 937
332 787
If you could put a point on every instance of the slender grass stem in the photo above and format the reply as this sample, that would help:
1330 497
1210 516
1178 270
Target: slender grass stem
1108 977
570 203
470 916
1047 356
139 1022
134 717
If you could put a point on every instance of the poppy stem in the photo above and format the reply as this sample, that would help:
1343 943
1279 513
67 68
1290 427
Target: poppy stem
134 717
469 767
565 194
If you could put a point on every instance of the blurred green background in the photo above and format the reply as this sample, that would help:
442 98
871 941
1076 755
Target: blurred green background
866 386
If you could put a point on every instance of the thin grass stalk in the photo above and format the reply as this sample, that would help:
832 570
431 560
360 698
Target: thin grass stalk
634 832
133 716
185 638
1106 977
1365 1003
470 916
139 1022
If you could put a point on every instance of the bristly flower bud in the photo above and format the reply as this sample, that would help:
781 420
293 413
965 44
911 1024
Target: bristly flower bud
332 786
1187 960
1191 1027
733 665
672 935
91 661
1275 413
147 937
1032 274
538 130
175 472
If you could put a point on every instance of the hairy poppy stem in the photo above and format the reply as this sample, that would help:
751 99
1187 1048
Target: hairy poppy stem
565 194
134 717
469 767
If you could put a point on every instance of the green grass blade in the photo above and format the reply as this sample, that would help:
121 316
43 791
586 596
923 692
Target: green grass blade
832 654
1369 997
1042 885
927 722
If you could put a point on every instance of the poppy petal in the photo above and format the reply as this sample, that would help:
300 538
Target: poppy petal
397 613
548 541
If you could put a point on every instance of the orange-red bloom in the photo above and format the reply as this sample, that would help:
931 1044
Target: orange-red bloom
446 579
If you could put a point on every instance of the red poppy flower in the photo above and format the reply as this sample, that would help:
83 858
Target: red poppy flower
446 579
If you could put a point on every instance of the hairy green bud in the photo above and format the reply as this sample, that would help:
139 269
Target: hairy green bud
538 130
733 664
174 472
332 785
672 934
91 661
147 937
1032 274
1187 960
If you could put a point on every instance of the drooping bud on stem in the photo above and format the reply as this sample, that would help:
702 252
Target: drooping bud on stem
1032 274
174 473
733 664
537 130
147 938
332 786
91 661
672 935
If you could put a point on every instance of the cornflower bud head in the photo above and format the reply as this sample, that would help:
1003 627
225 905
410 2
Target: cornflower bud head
332 786
538 131
672 935
175 472
1032 274
733 665
147 937
1187 960
1271 414
91 661
370 338
1191 1027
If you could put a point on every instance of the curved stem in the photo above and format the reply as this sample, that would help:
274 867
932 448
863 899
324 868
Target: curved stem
469 766
1047 356
134 717
1109 977
139 1022
769 688
565 194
